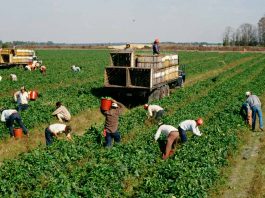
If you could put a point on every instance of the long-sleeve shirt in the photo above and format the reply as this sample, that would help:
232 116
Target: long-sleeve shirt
153 108
165 129
57 128
6 113
21 98
156 49
112 119
62 110
253 100
190 125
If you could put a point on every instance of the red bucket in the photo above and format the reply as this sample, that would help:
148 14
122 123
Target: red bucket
105 104
33 95
18 132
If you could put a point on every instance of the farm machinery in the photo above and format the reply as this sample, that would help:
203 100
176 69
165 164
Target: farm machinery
20 57
140 77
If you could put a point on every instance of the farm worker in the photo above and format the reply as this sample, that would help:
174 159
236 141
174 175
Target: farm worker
127 46
9 116
43 70
156 48
75 69
154 111
112 122
22 98
13 77
54 129
246 113
189 125
172 138
62 113
255 106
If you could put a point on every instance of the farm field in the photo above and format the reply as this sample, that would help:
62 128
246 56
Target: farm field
215 87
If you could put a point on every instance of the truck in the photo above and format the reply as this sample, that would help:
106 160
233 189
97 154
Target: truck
142 77
20 57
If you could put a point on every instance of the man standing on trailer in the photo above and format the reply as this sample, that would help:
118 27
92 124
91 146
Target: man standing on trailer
9 116
255 106
156 48
112 122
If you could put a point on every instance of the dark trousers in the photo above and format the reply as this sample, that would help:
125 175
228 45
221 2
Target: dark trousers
48 136
182 134
10 122
22 107
159 114
116 136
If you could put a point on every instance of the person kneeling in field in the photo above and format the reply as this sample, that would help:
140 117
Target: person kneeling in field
189 125
172 138
154 111
62 113
55 129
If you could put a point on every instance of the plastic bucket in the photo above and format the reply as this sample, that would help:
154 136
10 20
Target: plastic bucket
33 95
105 104
18 132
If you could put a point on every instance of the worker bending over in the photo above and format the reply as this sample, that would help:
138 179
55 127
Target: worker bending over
172 138
154 111
9 116
55 129
189 125
255 106
62 113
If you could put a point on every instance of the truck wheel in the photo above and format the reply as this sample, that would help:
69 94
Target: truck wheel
155 95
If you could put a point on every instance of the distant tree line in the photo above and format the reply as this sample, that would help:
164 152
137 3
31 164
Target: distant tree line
245 35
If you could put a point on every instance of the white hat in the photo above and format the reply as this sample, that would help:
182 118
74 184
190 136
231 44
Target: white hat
248 93
114 104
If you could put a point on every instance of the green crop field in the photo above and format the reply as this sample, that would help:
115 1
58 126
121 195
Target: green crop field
215 87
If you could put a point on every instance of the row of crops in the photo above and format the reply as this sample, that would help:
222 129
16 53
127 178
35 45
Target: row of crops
134 168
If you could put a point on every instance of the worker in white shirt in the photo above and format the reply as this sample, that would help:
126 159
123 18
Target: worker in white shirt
22 98
13 77
62 113
9 116
43 69
154 111
55 129
189 125
172 135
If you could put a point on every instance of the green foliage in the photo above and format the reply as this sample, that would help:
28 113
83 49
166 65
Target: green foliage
134 167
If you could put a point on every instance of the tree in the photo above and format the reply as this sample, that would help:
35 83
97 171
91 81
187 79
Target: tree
261 30
247 35
228 36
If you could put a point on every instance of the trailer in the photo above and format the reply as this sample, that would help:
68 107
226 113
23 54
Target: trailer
142 77
17 57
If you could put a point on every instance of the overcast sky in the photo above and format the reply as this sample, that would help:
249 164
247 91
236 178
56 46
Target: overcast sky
87 21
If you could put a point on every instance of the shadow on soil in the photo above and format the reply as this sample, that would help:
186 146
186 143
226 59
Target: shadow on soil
129 102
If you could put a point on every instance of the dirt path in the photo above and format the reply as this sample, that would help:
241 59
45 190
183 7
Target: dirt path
10 148
246 176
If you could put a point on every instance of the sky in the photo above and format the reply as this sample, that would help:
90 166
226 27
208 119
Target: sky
132 21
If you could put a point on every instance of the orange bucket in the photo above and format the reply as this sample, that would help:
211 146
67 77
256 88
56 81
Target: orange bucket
105 104
18 132
33 95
